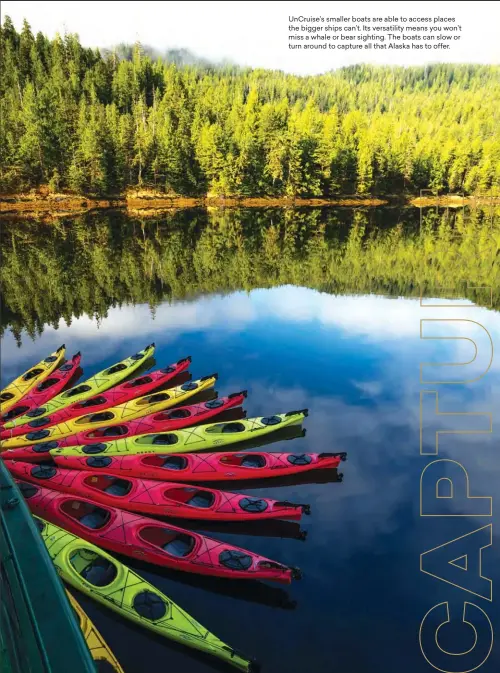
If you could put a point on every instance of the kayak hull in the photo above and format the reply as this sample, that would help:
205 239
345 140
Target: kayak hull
150 540
199 438
105 579
206 467
181 501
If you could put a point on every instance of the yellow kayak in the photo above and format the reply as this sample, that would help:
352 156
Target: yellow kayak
141 406
196 438
98 383
16 390
98 647
105 579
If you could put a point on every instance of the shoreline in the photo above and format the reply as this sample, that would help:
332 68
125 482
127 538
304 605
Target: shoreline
67 204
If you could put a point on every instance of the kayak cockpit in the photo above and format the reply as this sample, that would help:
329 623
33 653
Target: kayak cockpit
86 514
250 460
93 568
110 431
166 462
171 541
110 485
193 497
99 417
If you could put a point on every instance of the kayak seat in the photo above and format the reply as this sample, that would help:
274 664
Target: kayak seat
95 519
157 397
142 380
93 402
99 573
181 545
253 461
253 505
150 606
116 368
39 422
45 447
203 499
34 372
236 560
114 431
16 411
173 462
178 413
100 417
302 459
119 487
46 384
76 391
233 427
165 439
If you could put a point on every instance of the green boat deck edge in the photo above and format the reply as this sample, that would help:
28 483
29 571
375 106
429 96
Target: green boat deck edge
39 632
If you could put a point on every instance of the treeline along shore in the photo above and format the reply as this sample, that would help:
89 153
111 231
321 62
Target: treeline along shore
99 123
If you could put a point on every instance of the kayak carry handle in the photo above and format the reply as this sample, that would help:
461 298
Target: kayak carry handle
342 455
301 535
340 476
61 348
210 376
188 359
153 345
243 393
305 412
76 355
286 503
297 573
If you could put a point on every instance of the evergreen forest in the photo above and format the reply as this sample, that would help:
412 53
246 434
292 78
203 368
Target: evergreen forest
97 122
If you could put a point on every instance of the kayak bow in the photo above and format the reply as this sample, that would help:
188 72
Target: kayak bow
158 498
108 581
16 390
45 390
150 540
98 383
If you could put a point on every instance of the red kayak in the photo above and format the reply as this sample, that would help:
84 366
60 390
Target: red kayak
45 390
149 540
172 419
156 497
197 467
125 391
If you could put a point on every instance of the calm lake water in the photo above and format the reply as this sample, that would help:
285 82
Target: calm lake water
316 309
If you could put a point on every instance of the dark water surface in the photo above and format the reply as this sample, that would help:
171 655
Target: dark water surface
316 309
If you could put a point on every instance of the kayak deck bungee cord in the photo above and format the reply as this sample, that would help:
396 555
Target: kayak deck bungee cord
113 584
17 389
150 540
167 420
192 467
144 496
131 410
120 394
99 649
45 390
100 382
197 438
